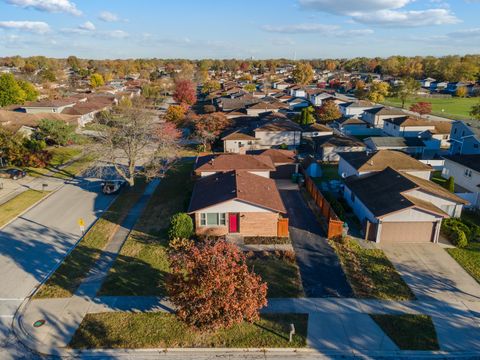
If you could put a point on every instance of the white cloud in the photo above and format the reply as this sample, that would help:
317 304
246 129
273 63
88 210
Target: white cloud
108 16
88 26
349 7
53 6
408 18
300 28
327 30
38 27
118 34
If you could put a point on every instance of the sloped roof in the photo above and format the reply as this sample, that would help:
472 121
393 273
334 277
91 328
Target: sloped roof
279 125
385 111
14 120
229 162
238 135
236 185
378 161
278 156
392 141
470 161
337 141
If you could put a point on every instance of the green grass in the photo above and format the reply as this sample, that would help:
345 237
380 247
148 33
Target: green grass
455 108
329 172
437 178
408 331
14 207
61 155
75 267
281 274
370 273
471 216
468 258
142 264
163 330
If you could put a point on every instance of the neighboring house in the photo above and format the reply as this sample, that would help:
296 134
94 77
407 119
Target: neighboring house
26 124
260 165
87 110
297 104
284 161
396 207
437 86
297 91
317 98
366 162
464 138
49 106
265 107
465 170
238 142
412 146
425 83
314 130
355 126
278 132
356 108
376 116
328 147
236 202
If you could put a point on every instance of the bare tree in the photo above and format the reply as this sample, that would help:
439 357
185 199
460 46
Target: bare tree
134 142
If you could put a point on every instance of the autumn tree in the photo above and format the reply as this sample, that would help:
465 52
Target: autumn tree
378 91
185 92
134 143
422 108
211 286
405 89
96 80
209 126
475 111
462 91
360 90
210 86
250 88
175 114
306 116
303 74
329 111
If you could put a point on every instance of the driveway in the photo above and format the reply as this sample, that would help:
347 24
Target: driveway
431 273
322 274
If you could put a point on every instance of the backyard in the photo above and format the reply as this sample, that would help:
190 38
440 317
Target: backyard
163 330
455 107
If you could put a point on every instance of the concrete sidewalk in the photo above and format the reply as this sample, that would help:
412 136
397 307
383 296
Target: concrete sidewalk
63 316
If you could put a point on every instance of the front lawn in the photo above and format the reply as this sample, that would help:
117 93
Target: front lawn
370 273
408 331
163 330
468 258
14 207
280 271
75 267
455 107
142 263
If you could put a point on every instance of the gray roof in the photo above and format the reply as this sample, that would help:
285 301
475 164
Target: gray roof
470 161
385 111
391 141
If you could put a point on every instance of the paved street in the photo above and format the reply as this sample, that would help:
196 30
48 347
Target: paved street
322 275
32 245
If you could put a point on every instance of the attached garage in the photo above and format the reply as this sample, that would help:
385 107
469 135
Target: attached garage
407 232
284 171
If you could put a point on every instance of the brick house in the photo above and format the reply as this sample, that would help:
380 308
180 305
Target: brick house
236 202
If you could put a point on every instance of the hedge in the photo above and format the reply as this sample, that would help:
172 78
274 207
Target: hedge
457 232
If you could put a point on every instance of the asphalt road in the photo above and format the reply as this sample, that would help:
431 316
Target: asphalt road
33 244
320 269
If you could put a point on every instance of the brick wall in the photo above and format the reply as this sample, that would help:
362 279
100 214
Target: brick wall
251 224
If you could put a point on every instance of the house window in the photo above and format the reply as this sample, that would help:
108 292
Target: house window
212 219
468 173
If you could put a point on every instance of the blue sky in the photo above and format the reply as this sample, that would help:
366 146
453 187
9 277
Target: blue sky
238 29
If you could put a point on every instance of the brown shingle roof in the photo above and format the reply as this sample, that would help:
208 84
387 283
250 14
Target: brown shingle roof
278 156
431 187
13 120
377 161
229 162
236 185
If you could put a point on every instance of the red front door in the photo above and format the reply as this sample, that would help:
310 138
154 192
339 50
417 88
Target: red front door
233 223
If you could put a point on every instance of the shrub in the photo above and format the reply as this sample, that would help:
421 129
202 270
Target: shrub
336 206
459 238
450 184
457 232
181 226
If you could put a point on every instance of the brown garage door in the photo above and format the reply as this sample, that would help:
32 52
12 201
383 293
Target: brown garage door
411 232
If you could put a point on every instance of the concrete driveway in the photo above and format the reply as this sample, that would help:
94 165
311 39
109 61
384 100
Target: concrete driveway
431 273
320 269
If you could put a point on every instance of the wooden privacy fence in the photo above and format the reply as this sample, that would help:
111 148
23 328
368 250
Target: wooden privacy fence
282 227
335 225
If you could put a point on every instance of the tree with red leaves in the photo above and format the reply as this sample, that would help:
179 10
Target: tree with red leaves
185 92
209 126
421 108
211 285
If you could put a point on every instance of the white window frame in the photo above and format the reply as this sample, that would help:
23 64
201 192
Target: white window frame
221 219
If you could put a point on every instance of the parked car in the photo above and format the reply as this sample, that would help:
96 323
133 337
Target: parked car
13 174
111 187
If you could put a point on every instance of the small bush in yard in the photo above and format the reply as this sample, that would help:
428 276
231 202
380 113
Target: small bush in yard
457 232
181 226
459 239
